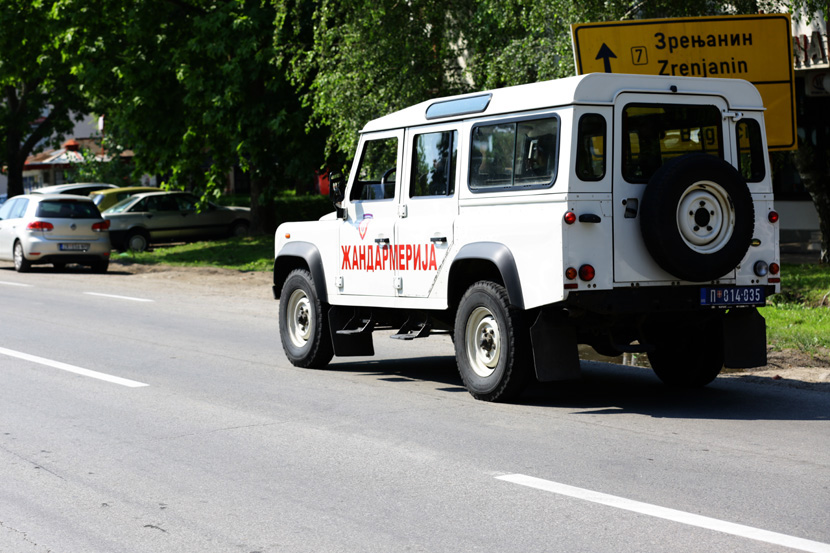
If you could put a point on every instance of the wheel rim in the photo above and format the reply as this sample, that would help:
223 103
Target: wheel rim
483 342
299 318
138 243
706 217
18 255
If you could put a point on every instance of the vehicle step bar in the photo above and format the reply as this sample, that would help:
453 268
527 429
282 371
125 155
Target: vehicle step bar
412 329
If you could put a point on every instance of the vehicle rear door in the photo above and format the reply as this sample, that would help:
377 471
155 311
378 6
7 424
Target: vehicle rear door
429 206
651 130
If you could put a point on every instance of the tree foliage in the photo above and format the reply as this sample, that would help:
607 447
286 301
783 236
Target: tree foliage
194 89
39 92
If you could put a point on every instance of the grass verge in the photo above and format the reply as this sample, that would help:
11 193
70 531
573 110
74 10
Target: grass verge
799 317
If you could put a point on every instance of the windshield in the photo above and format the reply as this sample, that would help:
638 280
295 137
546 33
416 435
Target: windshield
120 206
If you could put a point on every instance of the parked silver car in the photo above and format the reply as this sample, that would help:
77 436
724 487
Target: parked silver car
56 229
158 217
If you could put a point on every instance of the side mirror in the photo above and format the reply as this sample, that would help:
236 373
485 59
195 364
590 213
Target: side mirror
337 186
337 191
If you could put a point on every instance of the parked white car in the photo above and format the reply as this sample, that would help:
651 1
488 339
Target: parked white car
54 228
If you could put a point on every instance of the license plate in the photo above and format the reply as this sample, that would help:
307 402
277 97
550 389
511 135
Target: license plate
73 247
732 296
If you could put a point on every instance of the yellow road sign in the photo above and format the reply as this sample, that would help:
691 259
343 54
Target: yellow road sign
757 48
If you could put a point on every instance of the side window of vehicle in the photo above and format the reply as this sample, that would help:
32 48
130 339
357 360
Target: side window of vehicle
7 208
520 154
750 150
186 203
590 147
434 162
376 174
20 208
140 206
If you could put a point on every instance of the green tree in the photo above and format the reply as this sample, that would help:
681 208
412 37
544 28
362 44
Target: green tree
194 89
39 92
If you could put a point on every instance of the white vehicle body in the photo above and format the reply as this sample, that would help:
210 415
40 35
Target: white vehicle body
589 229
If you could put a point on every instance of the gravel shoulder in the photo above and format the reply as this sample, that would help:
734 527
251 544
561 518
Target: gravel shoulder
785 368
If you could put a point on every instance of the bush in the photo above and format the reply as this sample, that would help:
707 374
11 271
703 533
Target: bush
301 208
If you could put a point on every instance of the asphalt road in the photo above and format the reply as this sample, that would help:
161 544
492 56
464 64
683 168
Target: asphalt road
194 434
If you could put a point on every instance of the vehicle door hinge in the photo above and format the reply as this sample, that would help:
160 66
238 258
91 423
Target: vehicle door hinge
734 115
338 281
398 283
402 211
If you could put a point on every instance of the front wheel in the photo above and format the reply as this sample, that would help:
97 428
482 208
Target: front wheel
137 241
490 338
304 329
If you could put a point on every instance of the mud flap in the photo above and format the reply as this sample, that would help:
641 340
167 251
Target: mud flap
555 353
744 339
348 337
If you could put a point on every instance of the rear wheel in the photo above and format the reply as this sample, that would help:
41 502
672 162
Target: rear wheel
21 264
304 328
137 241
490 336
239 229
688 354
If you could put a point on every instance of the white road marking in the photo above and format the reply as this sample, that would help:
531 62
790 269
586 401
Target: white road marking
117 297
73 369
668 514
6 283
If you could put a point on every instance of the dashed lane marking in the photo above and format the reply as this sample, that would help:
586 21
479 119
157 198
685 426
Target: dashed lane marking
117 297
682 517
73 369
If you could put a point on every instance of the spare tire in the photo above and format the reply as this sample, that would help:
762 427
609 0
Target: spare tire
697 217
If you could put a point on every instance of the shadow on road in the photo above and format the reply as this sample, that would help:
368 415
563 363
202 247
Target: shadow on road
607 388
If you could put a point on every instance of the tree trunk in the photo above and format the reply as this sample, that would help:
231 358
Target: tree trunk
262 208
814 167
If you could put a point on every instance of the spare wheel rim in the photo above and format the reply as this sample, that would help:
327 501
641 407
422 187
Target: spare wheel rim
706 217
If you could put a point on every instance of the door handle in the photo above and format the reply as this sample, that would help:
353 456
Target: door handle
381 240
438 239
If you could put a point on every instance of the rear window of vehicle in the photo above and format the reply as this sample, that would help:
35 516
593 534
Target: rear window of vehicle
656 133
63 209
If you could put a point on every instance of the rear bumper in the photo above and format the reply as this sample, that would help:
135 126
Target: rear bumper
38 250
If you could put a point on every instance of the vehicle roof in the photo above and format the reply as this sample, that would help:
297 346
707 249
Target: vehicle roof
55 188
594 88
126 189
54 196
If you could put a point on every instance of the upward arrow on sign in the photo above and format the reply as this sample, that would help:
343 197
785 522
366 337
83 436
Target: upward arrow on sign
605 54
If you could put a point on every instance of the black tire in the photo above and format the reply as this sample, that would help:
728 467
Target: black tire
137 240
688 353
697 217
304 328
21 264
491 341
239 229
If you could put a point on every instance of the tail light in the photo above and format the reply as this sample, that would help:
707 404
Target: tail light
761 268
101 226
570 217
44 226
772 216
587 273
774 268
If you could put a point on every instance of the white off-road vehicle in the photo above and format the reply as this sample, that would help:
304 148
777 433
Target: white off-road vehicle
630 213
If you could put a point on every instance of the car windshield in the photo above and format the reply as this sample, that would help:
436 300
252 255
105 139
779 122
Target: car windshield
67 209
120 206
